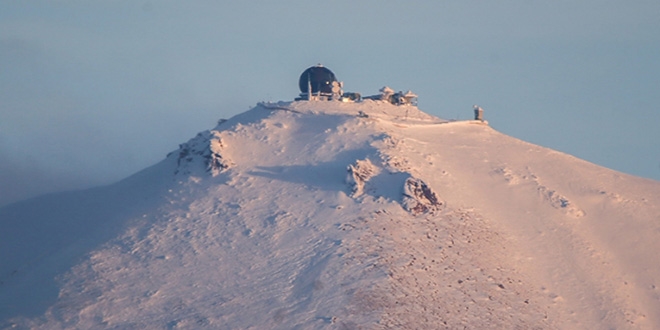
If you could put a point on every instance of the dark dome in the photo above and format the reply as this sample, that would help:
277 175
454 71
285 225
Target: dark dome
319 77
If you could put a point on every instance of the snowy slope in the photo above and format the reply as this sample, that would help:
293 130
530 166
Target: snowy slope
328 215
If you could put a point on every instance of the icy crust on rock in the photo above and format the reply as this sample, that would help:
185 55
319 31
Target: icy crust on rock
358 175
206 149
416 195
419 198
329 215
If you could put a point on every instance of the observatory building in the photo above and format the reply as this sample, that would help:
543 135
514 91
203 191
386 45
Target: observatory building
319 83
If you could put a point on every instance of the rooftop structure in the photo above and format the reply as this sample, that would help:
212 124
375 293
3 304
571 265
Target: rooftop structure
319 83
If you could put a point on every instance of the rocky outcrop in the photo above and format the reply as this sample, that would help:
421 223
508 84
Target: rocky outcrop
207 149
418 197
358 174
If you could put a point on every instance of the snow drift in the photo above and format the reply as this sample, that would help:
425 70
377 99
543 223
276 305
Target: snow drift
329 215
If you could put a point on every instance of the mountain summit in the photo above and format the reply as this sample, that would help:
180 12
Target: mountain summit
333 215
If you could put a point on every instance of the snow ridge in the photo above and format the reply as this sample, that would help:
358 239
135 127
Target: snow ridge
550 196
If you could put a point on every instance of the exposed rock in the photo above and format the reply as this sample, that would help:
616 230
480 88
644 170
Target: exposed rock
207 147
560 202
418 197
359 174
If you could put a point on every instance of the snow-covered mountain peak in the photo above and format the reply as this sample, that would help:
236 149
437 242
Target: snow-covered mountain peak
271 124
356 137
331 215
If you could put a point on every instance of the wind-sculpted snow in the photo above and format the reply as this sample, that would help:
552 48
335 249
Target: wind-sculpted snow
551 196
330 215
416 196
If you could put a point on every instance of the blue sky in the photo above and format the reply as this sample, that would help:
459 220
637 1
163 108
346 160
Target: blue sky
93 91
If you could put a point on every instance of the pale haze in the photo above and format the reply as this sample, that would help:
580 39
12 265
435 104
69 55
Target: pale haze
91 91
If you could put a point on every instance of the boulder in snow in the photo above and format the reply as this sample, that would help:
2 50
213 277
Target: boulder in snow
418 197
358 174
205 149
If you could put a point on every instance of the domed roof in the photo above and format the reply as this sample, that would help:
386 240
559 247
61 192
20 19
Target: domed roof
319 78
